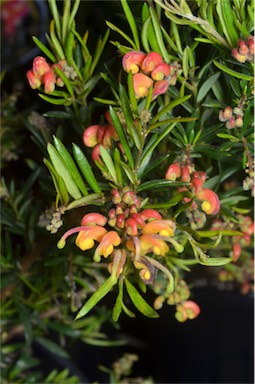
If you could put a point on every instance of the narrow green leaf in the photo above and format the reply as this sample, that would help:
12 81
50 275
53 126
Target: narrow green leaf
55 101
131 93
215 232
159 138
66 81
227 20
44 49
65 19
85 168
75 7
97 296
231 72
129 119
159 184
93 198
206 86
169 107
52 347
55 42
69 47
66 157
122 135
131 22
62 170
215 261
98 51
130 174
126 37
158 34
117 164
58 183
108 163
55 13
139 301
117 308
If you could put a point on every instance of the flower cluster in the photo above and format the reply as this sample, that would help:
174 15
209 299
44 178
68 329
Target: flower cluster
43 73
137 231
232 117
149 70
245 225
185 309
245 50
97 135
210 203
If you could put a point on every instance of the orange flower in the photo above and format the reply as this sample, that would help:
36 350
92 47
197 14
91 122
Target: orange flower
142 84
162 227
108 242
150 244
86 238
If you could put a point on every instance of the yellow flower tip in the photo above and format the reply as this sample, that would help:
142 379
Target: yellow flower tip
206 206
166 232
145 274
84 244
61 244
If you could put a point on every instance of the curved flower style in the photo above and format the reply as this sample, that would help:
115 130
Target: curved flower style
162 227
210 201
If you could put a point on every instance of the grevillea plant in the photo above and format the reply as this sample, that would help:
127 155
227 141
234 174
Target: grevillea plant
162 180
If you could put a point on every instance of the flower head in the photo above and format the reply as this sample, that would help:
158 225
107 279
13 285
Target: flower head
40 66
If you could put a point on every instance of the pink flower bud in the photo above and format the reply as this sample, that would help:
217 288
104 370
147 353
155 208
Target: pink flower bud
231 123
94 218
161 71
90 136
160 87
239 121
196 184
173 172
120 220
242 48
185 176
150 214
210 201
49 80
132 61
142 84
40 66
95 155
151 61
250 43
59 82
131 227
116 197
236 250
34 81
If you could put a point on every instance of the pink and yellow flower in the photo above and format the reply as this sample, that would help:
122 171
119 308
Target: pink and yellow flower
142 84
210 201
110 240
